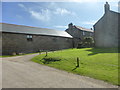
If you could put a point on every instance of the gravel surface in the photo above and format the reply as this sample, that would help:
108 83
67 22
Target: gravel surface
20 72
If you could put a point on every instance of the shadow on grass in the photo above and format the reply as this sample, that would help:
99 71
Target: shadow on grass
74 68
102 50
50 60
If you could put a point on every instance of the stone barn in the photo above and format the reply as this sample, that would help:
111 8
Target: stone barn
27 39
106 29
79 33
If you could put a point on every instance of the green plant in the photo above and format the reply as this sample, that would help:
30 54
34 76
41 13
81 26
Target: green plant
86 43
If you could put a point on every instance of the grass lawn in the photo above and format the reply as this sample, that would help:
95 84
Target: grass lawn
15 55
98 63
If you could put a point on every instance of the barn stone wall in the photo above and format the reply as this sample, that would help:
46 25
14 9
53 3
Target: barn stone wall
13 42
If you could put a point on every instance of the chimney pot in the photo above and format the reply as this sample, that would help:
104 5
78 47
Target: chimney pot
107 7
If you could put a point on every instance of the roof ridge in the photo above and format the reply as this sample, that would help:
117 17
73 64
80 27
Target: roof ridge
26 29
84 29
28 26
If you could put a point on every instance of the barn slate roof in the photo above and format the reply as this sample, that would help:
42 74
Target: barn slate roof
83 29
13 28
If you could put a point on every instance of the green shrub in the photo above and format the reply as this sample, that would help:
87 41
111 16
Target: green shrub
86 43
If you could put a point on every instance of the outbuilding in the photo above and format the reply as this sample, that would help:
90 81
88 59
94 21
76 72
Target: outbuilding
27 39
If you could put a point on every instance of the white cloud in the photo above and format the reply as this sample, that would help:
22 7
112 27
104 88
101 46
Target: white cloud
22 6
111 0
81 1
18 16
89 22
115 5
61 27
44 15
59 0
63 11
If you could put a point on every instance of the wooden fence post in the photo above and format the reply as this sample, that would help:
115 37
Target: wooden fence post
46 53
77 62
39 52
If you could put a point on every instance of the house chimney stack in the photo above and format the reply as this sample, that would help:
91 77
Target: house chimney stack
70 26
107 7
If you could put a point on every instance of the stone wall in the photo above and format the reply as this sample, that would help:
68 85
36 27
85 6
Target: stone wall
106 30
13 42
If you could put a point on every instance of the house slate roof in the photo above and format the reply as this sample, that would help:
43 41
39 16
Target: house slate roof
13 28
83 29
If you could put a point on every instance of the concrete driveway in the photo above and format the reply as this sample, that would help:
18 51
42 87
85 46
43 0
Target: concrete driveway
20 72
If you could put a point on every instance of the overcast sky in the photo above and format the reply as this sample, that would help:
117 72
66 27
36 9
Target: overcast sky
55 15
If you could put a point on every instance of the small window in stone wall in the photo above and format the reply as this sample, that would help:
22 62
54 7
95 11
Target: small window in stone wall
67 39
29 37
83 33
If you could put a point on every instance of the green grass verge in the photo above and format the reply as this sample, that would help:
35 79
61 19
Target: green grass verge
15 55
98 63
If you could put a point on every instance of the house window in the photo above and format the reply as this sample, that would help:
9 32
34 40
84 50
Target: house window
54 39
90 34
83 33
29 37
